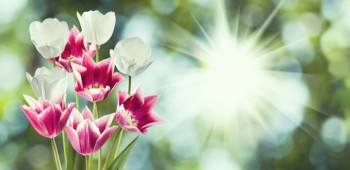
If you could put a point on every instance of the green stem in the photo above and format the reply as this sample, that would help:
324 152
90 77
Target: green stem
91 163
55 154
87 162
76 97
129 87
99 159
64 141
95 110
97 54
120 139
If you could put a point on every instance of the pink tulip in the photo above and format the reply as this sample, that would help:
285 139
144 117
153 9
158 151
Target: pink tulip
74 50
95 80
86 134
48 119
134 113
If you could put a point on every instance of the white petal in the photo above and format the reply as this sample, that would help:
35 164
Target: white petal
49 37
96 27
48 84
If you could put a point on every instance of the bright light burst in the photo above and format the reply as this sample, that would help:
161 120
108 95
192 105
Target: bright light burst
237 94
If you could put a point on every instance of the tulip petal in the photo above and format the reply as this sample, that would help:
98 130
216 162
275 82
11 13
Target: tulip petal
136 100
33 103
148 105
50 116
35 121
64 117
122 96
87 114
132 129
105 121
123 120
73 138
104 137
88 134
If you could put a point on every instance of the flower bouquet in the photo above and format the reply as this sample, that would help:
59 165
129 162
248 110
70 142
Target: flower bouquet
78 53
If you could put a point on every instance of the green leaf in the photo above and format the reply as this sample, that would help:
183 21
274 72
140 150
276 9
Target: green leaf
113 147
119 162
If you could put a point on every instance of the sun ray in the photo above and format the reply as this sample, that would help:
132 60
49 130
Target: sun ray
237 93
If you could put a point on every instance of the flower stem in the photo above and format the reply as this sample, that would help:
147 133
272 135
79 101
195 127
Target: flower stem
77 101
55 154
97 54
87 162
99 159
95 110
120 139
64 141
129 87
91 162
76 97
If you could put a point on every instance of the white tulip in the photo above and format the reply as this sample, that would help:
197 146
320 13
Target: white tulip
131 56
96 27
48 85
49 37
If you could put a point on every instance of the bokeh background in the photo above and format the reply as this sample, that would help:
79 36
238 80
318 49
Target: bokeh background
243 85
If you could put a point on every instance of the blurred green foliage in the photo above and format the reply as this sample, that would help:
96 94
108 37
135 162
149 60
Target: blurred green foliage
324 60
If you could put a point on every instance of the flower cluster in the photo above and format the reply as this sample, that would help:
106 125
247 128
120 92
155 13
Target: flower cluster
74 52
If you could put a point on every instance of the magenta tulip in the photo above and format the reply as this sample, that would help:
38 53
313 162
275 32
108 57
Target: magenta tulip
95 80
75 48
134 113
48 119
86 134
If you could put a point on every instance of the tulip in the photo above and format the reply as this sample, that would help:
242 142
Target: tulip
47 84
132 56
134 113
48 119
97 28
86 134
74 50
94 81
49 37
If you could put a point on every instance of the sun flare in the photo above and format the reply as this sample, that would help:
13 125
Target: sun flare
237 89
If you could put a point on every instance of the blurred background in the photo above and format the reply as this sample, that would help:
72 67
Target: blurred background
244 84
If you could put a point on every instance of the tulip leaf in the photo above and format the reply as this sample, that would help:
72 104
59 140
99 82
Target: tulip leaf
119 162
113 147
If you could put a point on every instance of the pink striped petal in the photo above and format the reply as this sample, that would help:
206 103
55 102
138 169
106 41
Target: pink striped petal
105 121
136 100
150 101
32 102
101 70
73 138
77 71
122 119
88 134
104 137
116 79
65 115
87 114
122 96
36 122
147 121
132 129
87 96
50 116
75 118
